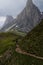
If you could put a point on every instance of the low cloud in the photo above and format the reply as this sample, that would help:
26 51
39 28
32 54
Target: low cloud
11 7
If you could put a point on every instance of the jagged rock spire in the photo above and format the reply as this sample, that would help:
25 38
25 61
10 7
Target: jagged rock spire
29 2
28 18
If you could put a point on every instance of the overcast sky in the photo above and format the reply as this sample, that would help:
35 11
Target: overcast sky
14 7
11 7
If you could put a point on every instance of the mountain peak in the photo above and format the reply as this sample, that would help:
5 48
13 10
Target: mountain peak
29 1
8 19
28 18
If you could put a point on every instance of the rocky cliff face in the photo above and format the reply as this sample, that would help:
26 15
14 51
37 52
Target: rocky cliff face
27 19
8 22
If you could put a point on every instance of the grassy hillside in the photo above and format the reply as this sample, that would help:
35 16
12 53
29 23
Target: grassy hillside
18 59
8 39
18 32
33 42
8 55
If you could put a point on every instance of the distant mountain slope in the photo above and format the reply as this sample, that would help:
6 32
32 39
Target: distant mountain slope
33 42
26 20
8 22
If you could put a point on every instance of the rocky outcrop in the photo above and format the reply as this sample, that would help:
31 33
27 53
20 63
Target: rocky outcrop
28 18
8 22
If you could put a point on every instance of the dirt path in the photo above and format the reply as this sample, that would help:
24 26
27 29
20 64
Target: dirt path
0 56
23 52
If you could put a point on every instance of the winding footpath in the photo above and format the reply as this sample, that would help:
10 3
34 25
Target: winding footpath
23 52
1 56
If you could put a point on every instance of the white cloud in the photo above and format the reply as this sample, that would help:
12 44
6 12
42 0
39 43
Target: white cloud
2 20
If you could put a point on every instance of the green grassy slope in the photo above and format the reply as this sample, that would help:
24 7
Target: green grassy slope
18 32
7 39
33 42
19 59
11 57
